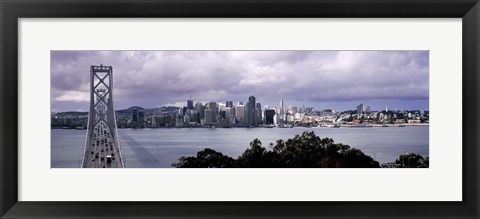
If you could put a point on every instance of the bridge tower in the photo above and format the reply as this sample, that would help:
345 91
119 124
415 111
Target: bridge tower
102 148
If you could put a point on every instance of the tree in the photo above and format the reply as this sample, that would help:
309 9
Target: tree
208 158
303 151
254 156
410 160
424 163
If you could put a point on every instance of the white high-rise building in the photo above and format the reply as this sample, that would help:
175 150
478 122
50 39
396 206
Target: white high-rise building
275 120
240 114
282 108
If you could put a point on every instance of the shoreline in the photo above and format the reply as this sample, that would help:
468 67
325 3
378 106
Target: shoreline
230 127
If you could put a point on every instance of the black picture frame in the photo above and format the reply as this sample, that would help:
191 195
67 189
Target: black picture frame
12 10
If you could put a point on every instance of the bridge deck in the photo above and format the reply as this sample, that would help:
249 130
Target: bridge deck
101 151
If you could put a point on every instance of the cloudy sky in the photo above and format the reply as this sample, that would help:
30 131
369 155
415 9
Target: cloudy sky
321 79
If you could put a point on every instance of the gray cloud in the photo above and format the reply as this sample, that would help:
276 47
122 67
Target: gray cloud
155 78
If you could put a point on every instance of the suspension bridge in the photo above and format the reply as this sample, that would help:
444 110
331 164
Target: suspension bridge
102 148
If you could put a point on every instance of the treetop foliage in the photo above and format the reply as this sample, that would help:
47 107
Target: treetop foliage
303 151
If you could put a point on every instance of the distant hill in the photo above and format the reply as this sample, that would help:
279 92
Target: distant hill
127 111
71 113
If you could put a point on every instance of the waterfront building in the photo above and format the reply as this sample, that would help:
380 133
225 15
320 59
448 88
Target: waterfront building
258 113
200 109
276 120
186 119
196 117
179 122
282 108
208 116
222 114
367 110
141 117
168 119
153 122
213 107
159 121
231 120
221 122
258 116
250 111
229 112
262 116
289 118
134 115
247 113
360 109
240 114
269 114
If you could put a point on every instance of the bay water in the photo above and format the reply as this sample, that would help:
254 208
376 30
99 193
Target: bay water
159 148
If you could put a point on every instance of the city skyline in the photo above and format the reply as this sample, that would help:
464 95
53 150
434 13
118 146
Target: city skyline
321 79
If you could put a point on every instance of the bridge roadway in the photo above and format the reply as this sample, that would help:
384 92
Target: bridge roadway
102 151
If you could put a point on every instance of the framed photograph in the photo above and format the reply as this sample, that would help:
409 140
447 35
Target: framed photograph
239 109
159 125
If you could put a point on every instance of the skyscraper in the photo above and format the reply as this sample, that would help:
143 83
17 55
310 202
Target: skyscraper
240 114
194 116
200 109
269 114
228 104
189 104
184 110
134 115
282 108
250 114
141 118
209 116
228 112
258 113
213 106
360 109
